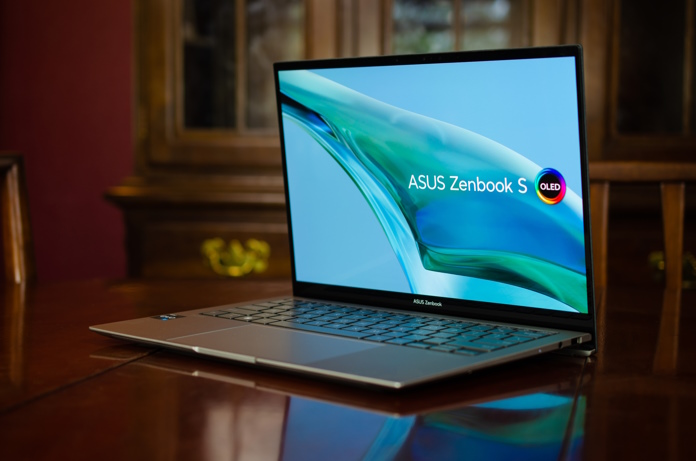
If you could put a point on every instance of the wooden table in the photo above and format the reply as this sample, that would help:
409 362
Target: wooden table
68 393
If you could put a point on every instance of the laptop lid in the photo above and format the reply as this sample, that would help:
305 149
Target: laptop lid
450 183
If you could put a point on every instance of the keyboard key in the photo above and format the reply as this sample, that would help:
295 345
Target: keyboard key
239 311
248 318
298 320
470 336
281 317
401 329
392 322
378 338
436 341
473 346
457 324
519 339
273 310
442 323
308 315
399 341
343 321
363 323
395 334
268 304
250 307
338 326
480 328
400 317
422 332
443 348
380 314
356 317
419 345
376 331
264 321
415 337
497 336
532 334
317 329
502 330
442 335
493 342
466 352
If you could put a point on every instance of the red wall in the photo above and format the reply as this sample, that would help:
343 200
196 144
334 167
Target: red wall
66 80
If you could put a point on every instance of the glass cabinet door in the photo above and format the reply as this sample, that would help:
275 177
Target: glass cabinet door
422 26
228 49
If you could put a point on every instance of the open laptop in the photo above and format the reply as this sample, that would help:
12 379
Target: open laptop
438 214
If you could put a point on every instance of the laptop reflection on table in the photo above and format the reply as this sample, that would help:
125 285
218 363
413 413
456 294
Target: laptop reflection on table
267 417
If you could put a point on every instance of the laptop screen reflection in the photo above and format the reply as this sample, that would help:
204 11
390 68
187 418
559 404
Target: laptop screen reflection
533 426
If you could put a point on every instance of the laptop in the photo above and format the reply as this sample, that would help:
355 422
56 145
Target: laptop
438 215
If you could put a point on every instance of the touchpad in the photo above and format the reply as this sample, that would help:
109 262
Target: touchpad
276 344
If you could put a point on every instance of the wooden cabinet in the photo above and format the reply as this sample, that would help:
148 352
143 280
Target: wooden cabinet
168 223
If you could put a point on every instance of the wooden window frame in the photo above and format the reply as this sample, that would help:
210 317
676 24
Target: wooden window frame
628 146
163 143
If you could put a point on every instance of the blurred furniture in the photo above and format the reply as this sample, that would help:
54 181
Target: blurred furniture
170 223
19 268
16 230
672 178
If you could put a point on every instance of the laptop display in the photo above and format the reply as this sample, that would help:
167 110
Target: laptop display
442 180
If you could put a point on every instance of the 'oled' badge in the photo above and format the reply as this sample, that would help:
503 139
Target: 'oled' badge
550 186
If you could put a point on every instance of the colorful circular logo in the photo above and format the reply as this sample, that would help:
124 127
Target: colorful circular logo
550 186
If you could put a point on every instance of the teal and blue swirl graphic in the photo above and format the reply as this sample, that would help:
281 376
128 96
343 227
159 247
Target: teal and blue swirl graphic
501 233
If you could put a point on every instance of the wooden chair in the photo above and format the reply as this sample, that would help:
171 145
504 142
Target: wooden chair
16 230
671 177
18 255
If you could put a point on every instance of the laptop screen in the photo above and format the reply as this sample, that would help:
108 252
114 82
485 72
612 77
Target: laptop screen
453 176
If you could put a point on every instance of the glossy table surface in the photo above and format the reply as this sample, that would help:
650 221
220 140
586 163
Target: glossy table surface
68 393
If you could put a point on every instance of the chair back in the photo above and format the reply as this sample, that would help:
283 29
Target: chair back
18 253
672 178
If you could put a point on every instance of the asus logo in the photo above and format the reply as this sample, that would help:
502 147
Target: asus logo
425 302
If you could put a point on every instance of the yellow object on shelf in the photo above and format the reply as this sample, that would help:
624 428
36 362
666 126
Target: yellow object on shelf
235 259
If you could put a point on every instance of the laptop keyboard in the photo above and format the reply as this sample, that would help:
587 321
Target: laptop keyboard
437 334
